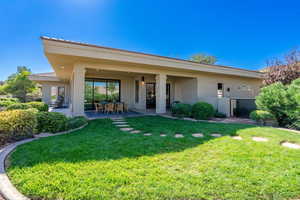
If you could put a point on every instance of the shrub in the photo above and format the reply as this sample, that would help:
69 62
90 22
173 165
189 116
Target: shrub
17 124
293 92
220 115
14 100
202 110
281 101
40 106
76 122
261 115
52 122
274 98
18 106
181 110
5 104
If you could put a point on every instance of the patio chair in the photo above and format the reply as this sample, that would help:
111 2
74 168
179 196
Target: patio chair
119 107
125 107
109 108
99 107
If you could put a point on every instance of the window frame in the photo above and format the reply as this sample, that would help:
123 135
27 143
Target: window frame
220 89
93 80
136 91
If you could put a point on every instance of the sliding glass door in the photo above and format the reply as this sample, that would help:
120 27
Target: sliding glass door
101 90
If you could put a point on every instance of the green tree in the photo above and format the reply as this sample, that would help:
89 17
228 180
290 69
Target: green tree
2 92
19 85
204 59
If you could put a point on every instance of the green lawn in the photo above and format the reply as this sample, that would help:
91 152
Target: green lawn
101 162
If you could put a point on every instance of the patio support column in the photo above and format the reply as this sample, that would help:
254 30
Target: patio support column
198 82
46 94
78 90
161 80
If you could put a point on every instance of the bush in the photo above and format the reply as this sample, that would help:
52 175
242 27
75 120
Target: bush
5 102
52 122
202 110
14 100
18 106
280 101
293 92
273 98
220 115
17 124
261 115
40 106
181 110
76 122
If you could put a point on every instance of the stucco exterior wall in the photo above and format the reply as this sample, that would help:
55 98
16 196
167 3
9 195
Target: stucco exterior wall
187 90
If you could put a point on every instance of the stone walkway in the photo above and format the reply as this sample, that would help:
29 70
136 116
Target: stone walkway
125 127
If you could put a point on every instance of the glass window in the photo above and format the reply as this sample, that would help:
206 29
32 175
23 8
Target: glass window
99 90
220 90
88 95
113 88
137 88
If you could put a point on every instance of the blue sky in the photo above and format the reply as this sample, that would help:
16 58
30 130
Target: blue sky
239 33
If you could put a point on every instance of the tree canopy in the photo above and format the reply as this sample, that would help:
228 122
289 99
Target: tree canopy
203 58
19 85
283 70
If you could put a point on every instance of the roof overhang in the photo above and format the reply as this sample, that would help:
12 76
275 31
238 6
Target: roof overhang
39 78
63 54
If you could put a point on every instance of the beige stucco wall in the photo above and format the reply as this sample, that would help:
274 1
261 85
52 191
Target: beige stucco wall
203 87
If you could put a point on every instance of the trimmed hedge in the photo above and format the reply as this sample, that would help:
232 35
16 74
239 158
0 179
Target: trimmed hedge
181 110
17 124
202 110
5 104
19 106
14 100
76 122
52 122
40 106
261 115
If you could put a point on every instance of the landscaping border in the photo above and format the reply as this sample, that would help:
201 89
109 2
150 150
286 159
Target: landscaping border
7 189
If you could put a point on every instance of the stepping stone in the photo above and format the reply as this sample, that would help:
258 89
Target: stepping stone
163 135
147 134
290 145
216 135
198 135
126 129
122 125
119 122
260 139
136 131
178 135
237 138
119 119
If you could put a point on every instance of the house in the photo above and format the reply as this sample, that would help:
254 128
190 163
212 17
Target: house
85 73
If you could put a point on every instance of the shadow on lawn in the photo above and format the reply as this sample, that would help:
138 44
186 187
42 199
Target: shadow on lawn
101 140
